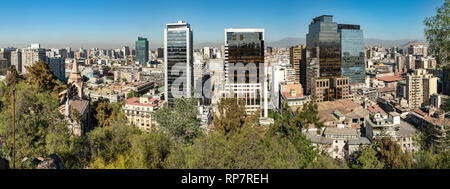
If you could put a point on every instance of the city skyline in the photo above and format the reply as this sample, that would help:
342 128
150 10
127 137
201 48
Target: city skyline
105 24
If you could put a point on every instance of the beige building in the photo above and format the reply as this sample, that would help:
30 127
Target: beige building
419 87
429 88
139 111
292 94
414 89
295 57
331 89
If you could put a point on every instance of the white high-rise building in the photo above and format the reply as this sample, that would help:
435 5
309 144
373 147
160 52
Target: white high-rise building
178 61
32 55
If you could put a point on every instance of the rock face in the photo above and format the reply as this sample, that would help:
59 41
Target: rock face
4 164
51 162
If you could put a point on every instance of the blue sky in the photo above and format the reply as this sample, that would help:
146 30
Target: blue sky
116 22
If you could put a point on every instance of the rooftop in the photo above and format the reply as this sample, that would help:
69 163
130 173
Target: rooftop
391 78
136 102
340 131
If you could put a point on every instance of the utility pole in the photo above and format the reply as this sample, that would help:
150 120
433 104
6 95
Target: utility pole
14 127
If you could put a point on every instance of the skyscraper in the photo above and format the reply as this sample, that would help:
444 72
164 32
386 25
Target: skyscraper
245 47
323 42
352 53
142 50
295 58
178 61
325 78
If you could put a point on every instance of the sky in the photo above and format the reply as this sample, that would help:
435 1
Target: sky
112 23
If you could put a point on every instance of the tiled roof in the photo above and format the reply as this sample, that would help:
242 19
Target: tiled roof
135 101
391 78
340 131
79 105
375 109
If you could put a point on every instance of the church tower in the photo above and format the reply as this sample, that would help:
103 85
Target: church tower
76 79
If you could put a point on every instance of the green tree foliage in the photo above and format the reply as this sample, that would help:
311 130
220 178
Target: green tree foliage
132 94
37 116
104 114
366 159
437 32
12 78
309 116
288 129
247 145
180 122
39 74
392 156
126 147
231 116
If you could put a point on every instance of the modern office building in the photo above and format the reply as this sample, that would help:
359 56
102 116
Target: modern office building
352 53
295 58
126 51
334 58
245 69
178 61
160 52
142 50
323 42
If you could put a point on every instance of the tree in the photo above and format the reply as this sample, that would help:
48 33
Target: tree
309 115
180 122
287 130
12 78
392 156
39 74
132 94
366 159
104 114
231 116
437 32
37 116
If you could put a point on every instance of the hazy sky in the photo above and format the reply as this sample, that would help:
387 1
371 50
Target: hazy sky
118 22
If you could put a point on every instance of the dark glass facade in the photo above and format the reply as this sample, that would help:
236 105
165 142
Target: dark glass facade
323 42
142 50
352 53
245 47
179 61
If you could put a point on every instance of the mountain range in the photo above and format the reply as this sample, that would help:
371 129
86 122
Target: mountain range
369 42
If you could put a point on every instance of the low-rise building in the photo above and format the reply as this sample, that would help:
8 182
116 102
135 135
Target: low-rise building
139 111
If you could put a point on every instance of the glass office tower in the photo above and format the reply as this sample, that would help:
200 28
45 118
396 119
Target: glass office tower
178 61
244 68
323 43
142 50
352 53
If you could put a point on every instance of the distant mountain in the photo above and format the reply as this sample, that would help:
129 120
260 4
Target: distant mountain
286 42
292 41
416 42
391 43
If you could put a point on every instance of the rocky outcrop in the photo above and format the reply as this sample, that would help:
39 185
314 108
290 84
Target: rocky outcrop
4 164
51 162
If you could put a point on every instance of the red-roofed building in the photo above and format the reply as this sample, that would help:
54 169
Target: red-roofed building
292 94
393 78
138 111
